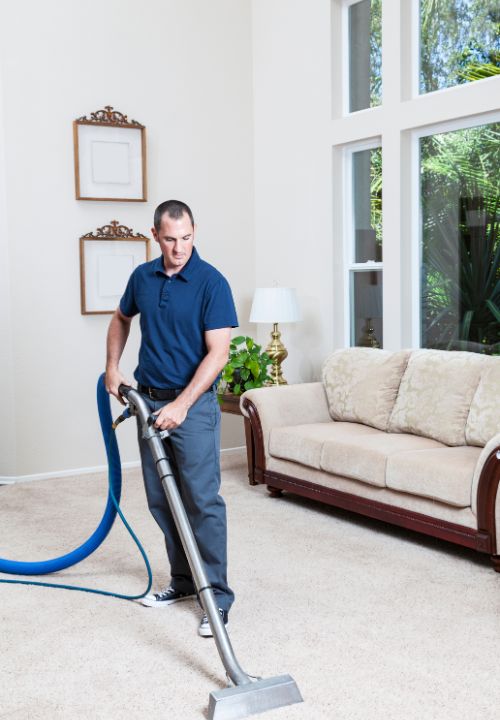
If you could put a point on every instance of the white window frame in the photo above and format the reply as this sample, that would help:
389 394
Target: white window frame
414 14
416 229
349 250
404 116
346 93
414 18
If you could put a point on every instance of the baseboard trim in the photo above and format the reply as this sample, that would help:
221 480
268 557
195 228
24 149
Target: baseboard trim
11 479
228 451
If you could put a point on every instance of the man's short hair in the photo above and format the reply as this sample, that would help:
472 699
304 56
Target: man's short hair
174 209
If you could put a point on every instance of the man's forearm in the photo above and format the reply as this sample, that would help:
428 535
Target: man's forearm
174 413
204 377
118 333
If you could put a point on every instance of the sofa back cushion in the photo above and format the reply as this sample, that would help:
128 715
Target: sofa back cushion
362 383
483 421
436 393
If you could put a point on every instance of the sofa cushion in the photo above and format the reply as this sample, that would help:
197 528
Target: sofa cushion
364 491
303 443
483 421
436 393
444 474
365 458
362 383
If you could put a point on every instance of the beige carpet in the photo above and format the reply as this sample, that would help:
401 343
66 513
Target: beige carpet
372 622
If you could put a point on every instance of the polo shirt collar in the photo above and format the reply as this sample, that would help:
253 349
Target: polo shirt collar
158 265
186 272
190 267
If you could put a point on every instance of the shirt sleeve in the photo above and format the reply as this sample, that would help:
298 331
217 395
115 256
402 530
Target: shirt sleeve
220 311
128 305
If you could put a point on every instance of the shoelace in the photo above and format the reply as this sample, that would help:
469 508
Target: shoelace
164 593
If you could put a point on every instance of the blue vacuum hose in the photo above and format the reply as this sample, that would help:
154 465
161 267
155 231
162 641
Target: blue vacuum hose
99 535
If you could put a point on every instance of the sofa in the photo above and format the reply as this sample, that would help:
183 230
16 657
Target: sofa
410 437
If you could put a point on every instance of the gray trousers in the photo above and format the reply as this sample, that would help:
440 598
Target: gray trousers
193 450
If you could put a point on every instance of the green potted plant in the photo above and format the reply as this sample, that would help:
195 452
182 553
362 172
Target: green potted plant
246 367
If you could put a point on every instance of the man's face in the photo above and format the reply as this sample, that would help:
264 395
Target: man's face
175 238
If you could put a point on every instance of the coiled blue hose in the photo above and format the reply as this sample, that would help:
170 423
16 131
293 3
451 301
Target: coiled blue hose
99 535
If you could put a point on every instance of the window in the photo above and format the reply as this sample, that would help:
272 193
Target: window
365 54
460 271
366 293
427 258
459 42
366 247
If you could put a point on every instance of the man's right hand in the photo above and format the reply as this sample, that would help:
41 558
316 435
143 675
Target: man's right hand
114 379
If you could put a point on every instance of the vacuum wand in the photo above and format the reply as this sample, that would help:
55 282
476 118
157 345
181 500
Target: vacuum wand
249 695
203 588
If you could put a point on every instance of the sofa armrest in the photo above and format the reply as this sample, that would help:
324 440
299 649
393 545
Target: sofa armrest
485 500
491 446
280 406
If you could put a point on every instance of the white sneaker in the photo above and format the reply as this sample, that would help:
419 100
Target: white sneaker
166 597
205 630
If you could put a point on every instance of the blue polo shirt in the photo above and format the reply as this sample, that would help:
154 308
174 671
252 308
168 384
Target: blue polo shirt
175 312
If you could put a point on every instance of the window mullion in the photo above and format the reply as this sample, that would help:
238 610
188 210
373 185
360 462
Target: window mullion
391 53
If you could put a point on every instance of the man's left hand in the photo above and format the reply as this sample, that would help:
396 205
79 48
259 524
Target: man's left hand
171 415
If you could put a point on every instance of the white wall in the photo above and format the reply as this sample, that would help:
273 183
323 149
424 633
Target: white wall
293 186
7 414
184 70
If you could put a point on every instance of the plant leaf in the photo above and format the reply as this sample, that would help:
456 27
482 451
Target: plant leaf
494 310
254 368
466 323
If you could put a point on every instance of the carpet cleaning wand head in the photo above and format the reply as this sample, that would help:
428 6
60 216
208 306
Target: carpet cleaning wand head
257 697
247 696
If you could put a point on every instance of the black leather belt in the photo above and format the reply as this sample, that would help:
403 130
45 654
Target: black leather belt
159 393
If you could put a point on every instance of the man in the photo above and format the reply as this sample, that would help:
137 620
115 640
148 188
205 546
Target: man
186 315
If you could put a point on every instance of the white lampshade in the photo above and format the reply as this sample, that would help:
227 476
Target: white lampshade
275 305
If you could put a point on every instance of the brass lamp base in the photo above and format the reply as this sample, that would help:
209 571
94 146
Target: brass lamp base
277 352
368 338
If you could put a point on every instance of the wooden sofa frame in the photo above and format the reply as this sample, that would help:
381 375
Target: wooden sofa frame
483 540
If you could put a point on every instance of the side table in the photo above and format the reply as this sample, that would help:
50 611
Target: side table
230 403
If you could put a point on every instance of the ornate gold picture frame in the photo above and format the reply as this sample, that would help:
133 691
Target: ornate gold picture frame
107 258
110 157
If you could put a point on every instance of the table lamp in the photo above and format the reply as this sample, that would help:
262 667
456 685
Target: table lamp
275 305
369 306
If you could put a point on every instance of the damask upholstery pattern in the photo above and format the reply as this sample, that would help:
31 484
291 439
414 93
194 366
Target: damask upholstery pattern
436 393
362 383
484 414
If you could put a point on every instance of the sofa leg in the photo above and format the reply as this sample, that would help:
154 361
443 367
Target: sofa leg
276 492
495 559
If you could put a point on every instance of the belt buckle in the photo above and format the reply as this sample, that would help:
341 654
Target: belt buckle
150 393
